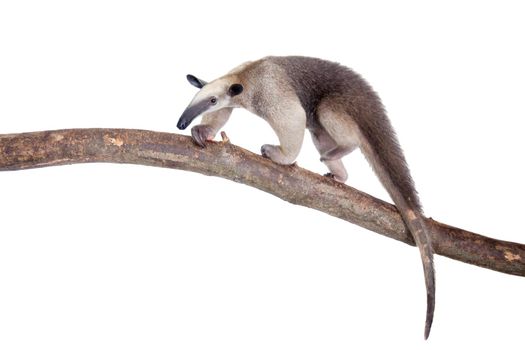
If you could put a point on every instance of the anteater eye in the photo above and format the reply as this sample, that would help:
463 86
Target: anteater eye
213 100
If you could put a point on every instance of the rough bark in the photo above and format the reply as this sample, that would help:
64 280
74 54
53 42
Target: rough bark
291 183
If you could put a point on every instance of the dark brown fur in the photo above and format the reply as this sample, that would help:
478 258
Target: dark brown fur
315 80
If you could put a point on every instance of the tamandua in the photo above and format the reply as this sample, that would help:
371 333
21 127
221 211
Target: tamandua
341 111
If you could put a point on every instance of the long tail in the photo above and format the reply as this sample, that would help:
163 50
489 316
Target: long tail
396 179
416 224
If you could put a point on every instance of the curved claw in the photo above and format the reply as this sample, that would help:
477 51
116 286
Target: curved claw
201 134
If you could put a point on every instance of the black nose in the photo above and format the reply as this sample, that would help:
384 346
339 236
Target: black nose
182 124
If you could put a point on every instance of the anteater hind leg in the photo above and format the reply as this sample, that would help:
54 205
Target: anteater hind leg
337 136
341 128
323 142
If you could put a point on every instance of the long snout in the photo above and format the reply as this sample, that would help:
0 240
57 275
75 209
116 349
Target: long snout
192 112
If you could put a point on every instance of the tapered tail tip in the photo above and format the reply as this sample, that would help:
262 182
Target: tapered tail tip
427 331
430 314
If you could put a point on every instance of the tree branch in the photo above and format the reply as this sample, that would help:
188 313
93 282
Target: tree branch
291 183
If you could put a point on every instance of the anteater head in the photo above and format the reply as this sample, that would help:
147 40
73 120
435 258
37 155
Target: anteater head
211 97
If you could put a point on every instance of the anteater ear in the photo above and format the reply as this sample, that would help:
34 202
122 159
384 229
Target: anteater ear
195 81
235 89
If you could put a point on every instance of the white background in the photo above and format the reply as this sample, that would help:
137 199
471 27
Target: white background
128 257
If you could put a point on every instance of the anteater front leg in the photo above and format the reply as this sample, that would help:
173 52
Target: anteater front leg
289 124
210 125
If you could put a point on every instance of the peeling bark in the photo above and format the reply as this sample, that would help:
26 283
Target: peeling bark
290 183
